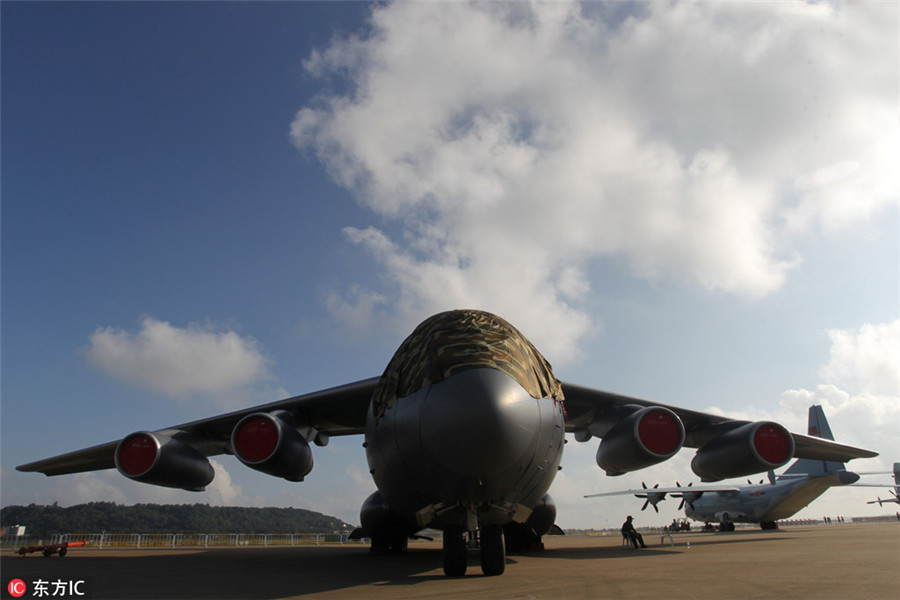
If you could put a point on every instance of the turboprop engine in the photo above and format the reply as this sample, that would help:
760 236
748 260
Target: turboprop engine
158 459
645 437
265 442
750 448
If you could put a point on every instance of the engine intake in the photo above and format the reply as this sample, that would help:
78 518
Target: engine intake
265 442
158 459
748 449
646 437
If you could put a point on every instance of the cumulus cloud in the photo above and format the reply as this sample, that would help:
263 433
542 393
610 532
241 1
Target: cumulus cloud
177 361
512 144
868 359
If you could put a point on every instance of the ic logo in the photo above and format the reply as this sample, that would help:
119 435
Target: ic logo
16 588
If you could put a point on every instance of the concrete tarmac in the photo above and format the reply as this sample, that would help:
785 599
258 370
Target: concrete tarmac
823 561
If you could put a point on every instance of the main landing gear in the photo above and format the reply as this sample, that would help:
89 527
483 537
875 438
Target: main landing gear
492 545
493 550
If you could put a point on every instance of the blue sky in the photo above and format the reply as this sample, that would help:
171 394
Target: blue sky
207 206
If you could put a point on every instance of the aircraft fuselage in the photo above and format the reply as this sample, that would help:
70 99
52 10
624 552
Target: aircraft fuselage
764 503
474 445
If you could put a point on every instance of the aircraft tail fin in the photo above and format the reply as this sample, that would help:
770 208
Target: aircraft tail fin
818 424
818 427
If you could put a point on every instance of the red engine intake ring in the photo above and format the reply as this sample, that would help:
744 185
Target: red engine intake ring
256 438
136 454
773 443
660 432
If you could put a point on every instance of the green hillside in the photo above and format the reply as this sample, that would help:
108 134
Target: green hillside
166 518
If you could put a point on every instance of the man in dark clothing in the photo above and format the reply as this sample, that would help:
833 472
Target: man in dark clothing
631 533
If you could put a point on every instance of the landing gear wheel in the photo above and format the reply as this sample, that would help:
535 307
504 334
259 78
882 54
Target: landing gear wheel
397 544
493 550
455 551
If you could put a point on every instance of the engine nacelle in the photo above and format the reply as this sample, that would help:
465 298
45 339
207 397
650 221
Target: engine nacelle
748 449
387 530
375 513
264 442
646 437
543 516
158 459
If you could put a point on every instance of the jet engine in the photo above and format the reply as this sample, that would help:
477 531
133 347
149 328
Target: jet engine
646 437
748 449
265 442
158 459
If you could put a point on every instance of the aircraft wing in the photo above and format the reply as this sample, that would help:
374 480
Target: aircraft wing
875 485
820 449
342 411
589 409
335 411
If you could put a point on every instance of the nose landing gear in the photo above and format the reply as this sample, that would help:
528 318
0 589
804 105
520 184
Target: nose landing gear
492 547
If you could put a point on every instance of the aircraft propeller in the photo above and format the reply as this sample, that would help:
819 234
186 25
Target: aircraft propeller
895 499
651 497
687 497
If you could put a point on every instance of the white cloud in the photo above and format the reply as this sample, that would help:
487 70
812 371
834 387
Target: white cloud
515 143
178 362
223 491
867 359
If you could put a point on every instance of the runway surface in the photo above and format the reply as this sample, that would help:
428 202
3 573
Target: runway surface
824 561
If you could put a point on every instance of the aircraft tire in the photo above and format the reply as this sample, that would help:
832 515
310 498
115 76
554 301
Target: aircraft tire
493 550
455 552
397 544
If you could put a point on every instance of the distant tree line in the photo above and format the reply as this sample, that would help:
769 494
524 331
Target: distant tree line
109 517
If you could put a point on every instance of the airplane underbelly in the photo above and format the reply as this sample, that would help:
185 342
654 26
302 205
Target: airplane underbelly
476 441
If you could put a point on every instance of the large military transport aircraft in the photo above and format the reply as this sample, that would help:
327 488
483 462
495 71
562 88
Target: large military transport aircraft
782 497
464 432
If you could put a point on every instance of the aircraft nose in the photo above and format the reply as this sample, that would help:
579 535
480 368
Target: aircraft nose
478 422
